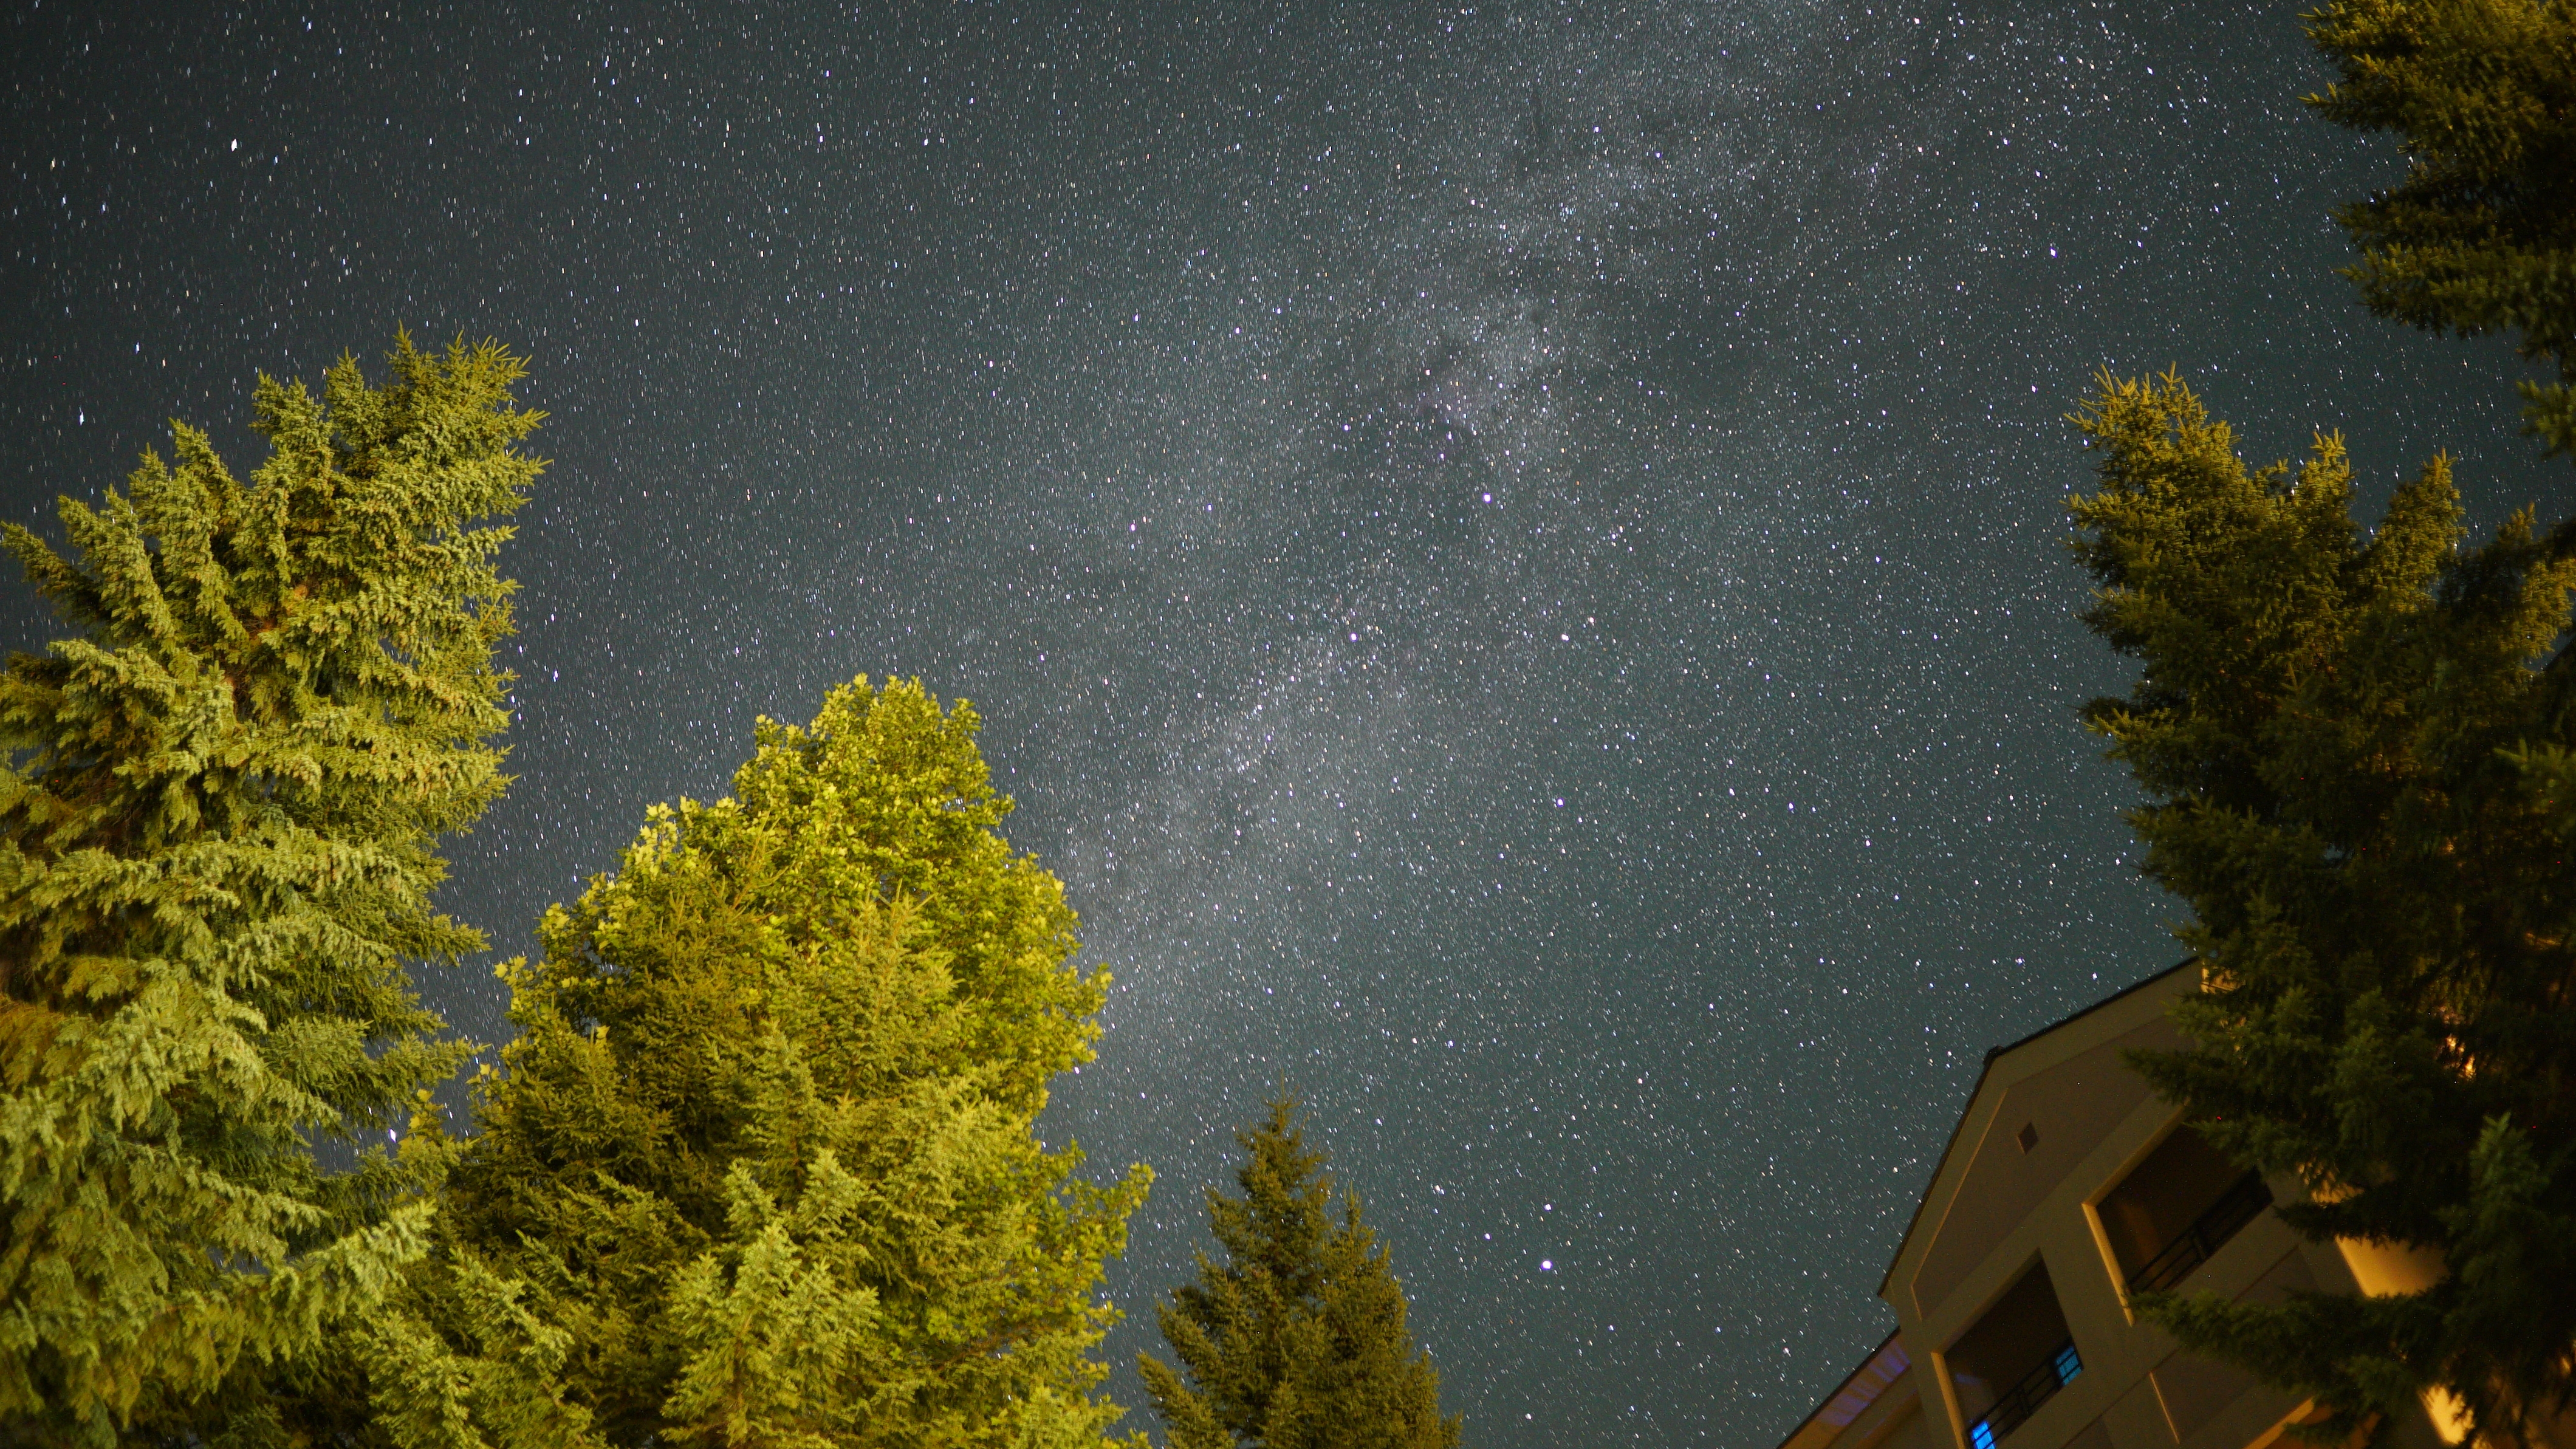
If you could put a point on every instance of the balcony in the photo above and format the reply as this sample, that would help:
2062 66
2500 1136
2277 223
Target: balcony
2023 1399
2226 1218
2014 1359
2176 1210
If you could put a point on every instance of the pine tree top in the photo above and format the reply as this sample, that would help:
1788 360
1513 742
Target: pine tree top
765 1145
2355 753
1297 1339
219 807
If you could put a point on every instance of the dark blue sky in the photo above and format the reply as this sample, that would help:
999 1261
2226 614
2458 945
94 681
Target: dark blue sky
1510 553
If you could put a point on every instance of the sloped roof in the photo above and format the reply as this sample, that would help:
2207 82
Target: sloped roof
1967 1108
1852 1397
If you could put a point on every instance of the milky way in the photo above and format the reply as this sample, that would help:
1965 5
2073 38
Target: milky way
1510 554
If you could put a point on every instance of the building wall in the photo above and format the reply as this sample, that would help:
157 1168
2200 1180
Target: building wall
2056 1124
1909 1428
2070 1107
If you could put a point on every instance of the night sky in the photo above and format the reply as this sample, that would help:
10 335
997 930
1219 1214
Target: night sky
1511 554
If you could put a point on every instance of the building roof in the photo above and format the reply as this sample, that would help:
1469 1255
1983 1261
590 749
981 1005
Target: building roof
1852 1397
1965 1108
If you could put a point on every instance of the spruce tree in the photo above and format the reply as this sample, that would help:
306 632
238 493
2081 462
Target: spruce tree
1298 1339
2480 236
219 808
762 1166
2354 751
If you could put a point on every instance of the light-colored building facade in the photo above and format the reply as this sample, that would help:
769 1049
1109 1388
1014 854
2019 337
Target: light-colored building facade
2068 1185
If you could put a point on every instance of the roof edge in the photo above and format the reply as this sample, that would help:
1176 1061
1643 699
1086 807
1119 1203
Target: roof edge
1842 1384
1992 1055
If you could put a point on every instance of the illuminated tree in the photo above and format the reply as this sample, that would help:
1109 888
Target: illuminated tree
764 1153
219 806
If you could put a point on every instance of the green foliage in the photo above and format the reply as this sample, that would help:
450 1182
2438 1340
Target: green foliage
2354 750
218 807
2481 235
1298 1340
497 1385
764 1150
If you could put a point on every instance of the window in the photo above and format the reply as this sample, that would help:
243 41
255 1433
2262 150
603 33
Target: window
2176 1209
2015 1359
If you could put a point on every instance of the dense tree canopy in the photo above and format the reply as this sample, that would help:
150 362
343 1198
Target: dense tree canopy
1298 1339
218 809
2353 748
2481 235
762 1168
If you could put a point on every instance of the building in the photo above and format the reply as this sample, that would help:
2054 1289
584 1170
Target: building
2067 1185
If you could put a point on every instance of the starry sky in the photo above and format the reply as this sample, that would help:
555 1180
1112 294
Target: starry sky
1510 553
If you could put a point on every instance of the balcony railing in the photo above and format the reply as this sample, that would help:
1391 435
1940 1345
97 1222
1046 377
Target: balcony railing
2023 1399
2225 1219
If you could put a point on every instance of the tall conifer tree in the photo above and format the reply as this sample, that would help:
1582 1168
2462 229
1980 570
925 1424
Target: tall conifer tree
763 1169
1298 1339
2480 236
2354 751
219 807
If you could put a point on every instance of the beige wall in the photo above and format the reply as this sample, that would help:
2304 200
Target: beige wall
1994 1209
